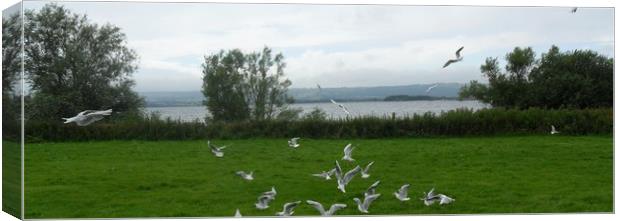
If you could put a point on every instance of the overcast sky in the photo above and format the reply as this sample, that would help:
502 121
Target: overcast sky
342 45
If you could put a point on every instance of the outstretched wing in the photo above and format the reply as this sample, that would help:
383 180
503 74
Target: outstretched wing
403 190
458 52
338 170
288 207
317 206
349 175
449 62
334 102
368 199
371 189
336 207
348 149
368 166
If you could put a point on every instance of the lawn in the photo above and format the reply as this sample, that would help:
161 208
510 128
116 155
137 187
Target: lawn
524 174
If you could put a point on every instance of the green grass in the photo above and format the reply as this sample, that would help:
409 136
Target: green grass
11 178
526 174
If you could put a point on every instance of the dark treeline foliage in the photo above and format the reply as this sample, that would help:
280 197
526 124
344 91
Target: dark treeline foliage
240 87
11 68
497 121
71 65
573 79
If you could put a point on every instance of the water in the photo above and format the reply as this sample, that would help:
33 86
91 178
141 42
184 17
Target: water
368 108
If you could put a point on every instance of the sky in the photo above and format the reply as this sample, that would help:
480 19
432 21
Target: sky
341 45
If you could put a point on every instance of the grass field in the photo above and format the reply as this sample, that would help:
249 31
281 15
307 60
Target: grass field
526 174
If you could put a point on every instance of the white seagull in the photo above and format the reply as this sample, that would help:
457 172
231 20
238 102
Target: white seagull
87 117
363 206
430 197
288 208
553 131
443 199
217 151
338 171
331 211
325 174
293 142
372 189
457 59
263 202
272 193
344 180
401 194
341 107
237 214
365 170
431 88
246 176
348 150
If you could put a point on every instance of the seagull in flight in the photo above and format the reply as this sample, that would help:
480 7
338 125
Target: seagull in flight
344 180
272 193
325 174
553 131
341 107
457 59
401 194
363 206
430 197
431 88
293 142
263 202
348 150
217 151
331 211
365 170
288 208
246 176
574 10
237 214
87 117
372 190
443 199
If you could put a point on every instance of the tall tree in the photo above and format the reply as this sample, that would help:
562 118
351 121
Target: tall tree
249 86
72 64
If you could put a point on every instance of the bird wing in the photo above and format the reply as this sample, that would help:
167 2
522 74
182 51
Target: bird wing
431 194
334 102
264 199
368 166
349 175
372 187
241 173
336 207
368 199
458 52
317 206
338 170
288 207
348 149
449 62
403 190
552 128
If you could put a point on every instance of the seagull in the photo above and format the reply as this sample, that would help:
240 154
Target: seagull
263 202
553 131
325 174
372 189
237 214
217 151
246 176
431 88
363 206
344 180
87 117
443 199
457 59
402 193
288 208
574 10
272 193
347 152
331 211
341 107
365 170
293 142
337 170
430 197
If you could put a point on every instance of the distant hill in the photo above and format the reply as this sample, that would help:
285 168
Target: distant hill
303 95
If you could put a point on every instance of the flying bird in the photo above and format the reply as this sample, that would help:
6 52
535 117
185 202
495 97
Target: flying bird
365 170
338 171
363 206
430 197
288 208
401 194
428 90
293 142
553 131
246 176
457 59
344 180
87 117
348 150
237 214
331 211
325 174
341 107
217 151
574 10
263 202
272 193
443 199
372 189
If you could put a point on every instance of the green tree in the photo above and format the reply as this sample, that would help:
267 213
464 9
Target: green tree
72 64
249 86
